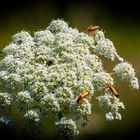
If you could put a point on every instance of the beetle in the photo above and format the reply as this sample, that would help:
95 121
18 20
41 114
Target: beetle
82 95
112 89
92 29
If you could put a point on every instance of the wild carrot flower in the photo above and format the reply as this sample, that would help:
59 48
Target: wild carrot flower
45 74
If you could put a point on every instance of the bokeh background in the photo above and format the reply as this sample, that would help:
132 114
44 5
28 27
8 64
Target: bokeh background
121 22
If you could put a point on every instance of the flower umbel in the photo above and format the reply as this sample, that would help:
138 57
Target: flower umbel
45 74
67 127
127 73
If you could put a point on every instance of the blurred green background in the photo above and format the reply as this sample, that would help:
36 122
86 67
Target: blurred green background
121 23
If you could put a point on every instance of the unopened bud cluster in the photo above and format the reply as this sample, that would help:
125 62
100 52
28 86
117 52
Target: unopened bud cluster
44 74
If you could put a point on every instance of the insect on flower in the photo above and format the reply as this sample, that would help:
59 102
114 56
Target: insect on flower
82 95
112 89
92 29
49 63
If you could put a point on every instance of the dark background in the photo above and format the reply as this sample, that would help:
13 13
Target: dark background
121 22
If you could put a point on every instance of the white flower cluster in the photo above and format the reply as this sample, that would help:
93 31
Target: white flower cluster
32 115
99 80
111 107
8 120
105 47
5 99
126 72
23 99
50 103
67 127
59 71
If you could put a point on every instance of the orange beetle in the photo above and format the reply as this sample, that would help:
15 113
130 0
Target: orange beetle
82 95
92 29
112 89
